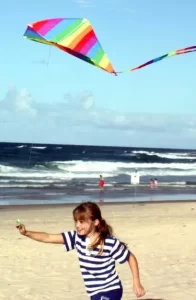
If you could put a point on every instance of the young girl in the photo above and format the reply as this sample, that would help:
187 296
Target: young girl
97 250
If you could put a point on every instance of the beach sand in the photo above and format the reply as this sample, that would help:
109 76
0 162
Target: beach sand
161 235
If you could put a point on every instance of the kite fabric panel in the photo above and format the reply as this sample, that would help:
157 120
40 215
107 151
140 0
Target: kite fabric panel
77 37
74 36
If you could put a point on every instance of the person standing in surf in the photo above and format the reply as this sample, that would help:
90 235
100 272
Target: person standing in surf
98 250
101 183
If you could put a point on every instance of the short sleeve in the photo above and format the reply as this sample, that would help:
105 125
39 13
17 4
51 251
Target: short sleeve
119 252
69 238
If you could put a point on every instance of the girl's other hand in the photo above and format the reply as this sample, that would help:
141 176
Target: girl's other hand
138 289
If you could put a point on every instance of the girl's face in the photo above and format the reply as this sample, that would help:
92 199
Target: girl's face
86 227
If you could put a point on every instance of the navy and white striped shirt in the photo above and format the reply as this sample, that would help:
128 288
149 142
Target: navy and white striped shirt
98 271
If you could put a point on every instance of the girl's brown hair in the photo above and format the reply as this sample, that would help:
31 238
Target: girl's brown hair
90 210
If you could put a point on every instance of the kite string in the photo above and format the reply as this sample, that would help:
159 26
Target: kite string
47 64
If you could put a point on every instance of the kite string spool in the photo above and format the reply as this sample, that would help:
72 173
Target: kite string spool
47 64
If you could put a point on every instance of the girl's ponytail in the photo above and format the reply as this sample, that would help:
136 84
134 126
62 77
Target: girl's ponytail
104 229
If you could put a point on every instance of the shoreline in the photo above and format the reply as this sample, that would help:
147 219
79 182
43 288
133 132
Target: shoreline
112 204
71 195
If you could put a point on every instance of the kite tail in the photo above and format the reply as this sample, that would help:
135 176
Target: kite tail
173 53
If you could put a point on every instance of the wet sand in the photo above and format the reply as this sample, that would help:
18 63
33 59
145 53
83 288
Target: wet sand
161 235
73 193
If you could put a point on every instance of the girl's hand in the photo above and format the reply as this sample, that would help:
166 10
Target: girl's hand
138 289
21 229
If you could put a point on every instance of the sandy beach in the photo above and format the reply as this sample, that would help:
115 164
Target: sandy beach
161 235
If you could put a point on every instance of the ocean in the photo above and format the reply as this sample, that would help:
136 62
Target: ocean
51 173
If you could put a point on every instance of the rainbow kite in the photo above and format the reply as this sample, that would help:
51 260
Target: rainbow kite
77 37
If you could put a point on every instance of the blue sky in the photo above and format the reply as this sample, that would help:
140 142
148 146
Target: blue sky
73 102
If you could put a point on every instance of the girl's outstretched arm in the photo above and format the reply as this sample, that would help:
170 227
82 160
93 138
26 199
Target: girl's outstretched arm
41 236
137 287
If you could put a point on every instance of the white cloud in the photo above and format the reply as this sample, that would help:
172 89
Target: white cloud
120 6
77 119
85 3
84 101
18 102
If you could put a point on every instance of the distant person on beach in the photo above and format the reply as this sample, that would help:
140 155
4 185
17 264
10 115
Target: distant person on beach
155 182
135 177
101 183
151 183
98 250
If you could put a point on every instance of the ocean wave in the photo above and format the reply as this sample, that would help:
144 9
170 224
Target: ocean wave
40 148
92 169
34 164
116 168
23 186
169 155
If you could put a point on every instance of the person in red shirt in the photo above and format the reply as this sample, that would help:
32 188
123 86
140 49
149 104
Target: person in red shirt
101 183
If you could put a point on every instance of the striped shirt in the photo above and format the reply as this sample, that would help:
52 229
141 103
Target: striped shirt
98 271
